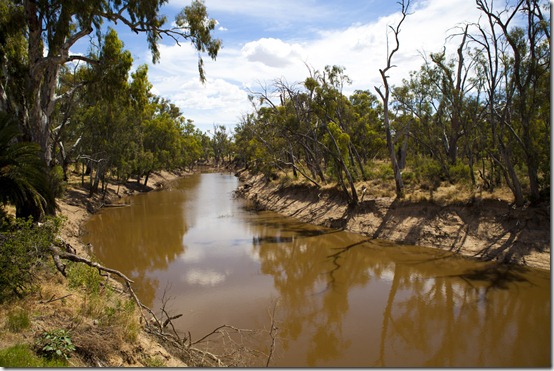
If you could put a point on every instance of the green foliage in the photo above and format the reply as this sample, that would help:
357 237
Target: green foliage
84 276
23 245
56 344
56 179
380 170
154 362
18 320
428 172
409 177
21 355
459 173
24 179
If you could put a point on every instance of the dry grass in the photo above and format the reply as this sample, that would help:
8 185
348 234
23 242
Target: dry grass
104 325
382 187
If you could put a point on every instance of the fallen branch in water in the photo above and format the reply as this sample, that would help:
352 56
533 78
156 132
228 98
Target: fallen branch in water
272 334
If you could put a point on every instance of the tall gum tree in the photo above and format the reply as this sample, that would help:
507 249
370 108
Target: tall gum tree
49 28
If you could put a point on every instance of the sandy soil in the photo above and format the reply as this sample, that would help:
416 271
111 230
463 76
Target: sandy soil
483 228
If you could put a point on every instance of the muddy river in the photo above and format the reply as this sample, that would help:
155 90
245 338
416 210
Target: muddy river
337 299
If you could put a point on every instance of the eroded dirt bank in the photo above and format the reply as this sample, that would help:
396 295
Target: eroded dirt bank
483 228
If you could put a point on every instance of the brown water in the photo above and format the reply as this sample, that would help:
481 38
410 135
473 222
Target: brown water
343 300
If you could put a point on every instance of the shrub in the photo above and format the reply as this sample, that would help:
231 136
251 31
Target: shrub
83 276
429 172
154 362
57 180
409 177
379 170
23 245
56 344
17 320
459 172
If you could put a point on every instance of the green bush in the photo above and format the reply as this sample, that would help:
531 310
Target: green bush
83 276
380 170
17 320
409 177
56 344
57 182
428 171
23 245
154 362
459 173
21 355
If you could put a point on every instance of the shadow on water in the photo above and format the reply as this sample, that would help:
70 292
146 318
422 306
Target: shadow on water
495 276
257 240
273 221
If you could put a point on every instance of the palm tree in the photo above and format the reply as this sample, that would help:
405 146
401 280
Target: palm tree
24 180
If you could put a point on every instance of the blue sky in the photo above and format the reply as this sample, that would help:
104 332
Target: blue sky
268 40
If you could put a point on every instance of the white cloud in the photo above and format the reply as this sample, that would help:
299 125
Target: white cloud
193 255
282 11
361 48
272 52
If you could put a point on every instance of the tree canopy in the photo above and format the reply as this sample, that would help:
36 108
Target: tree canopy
479 115
52 99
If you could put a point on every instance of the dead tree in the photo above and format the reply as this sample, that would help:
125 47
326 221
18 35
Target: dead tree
385 96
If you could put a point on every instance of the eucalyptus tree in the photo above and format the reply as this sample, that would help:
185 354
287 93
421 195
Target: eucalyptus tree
104 118
41 34
331 113
191 150
454 83
515 69
220 143
418 98
365 125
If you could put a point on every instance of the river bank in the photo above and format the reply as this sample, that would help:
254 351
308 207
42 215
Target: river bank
103 333
76 207
483 228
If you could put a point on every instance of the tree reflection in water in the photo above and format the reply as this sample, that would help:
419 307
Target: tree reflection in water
437 309
344 300
136 240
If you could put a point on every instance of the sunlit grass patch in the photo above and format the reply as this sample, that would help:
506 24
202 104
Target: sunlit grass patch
21 355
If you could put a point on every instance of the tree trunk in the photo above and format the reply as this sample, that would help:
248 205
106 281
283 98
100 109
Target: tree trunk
385 97
511 177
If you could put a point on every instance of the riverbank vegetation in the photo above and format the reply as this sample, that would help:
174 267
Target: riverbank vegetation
477 119
62 112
